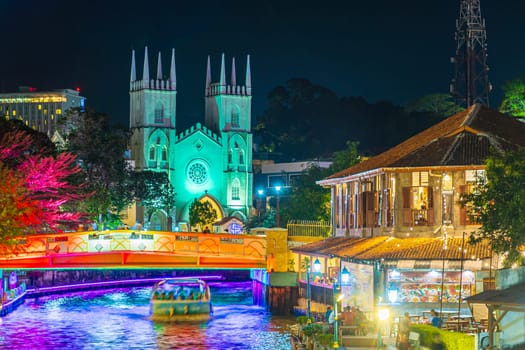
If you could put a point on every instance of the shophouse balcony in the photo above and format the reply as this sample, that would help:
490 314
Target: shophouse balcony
418 217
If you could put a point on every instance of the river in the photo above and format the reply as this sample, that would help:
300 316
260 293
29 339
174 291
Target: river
119 319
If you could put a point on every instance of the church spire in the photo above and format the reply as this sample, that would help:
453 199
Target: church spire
223 72
248 77
234 78
133 75
145 72
173 75
159 68
208 74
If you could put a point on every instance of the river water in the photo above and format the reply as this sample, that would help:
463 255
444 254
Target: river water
119 319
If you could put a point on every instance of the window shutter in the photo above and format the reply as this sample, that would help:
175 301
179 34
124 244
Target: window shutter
407 210
463 219
406 197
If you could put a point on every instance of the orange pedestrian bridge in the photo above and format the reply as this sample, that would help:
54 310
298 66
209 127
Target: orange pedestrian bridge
139 249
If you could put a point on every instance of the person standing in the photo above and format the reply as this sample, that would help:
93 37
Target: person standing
327 314
404 332
436 321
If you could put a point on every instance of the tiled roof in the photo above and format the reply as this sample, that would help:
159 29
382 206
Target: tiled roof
462 139
390 248
327 245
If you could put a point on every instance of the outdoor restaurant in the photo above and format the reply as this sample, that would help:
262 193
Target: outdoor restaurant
414 275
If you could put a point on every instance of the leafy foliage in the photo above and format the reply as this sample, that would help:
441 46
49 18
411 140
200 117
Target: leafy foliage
312 329
307 121
308 200
498 204
326 339
513 102
101 150
16 212
35 186
154 191
202 213
451 340
302 320
440 104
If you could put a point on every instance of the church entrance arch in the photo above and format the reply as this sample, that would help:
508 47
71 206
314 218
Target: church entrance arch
217 207
158 221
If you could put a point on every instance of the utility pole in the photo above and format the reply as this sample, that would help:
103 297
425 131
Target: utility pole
471 83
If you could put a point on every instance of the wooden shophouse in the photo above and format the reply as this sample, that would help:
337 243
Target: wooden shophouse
413 189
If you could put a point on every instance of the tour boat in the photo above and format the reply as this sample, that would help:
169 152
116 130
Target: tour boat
181 299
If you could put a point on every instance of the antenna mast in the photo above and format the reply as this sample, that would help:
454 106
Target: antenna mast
471 83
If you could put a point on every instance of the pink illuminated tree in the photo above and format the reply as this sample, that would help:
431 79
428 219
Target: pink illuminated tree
35 187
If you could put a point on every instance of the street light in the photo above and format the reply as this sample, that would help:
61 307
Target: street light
383 316
317 265
260 194
317 268
278 214
345 277
308 291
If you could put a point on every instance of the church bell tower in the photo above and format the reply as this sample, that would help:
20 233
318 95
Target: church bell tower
152 115
228 113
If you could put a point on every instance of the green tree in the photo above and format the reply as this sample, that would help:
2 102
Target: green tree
14 207
35 187
154 191
106 172
438 103
498 204
513 102
344 159
308 200
202 214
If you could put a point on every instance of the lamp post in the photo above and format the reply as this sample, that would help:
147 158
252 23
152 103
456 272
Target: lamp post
317 265
383 315
308 291
345 277
317 269
260 193
277 211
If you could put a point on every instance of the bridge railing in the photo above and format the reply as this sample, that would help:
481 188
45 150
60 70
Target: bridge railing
180 243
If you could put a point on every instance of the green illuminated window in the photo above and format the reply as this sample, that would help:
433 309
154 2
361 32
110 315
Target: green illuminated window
152 153
236 189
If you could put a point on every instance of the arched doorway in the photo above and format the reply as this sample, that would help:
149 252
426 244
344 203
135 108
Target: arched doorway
205 198
158 221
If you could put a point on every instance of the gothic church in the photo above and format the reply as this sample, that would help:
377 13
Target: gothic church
210 162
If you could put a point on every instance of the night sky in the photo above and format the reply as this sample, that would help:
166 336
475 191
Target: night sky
382 50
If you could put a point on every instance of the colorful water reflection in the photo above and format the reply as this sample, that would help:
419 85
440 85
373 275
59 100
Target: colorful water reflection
119 319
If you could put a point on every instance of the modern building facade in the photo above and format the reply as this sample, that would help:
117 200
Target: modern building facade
40 110
208 162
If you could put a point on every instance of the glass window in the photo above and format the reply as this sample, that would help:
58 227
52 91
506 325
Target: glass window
159 113
235 117
241 157
236 189
152 153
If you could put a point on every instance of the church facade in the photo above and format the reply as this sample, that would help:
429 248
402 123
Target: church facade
208 162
